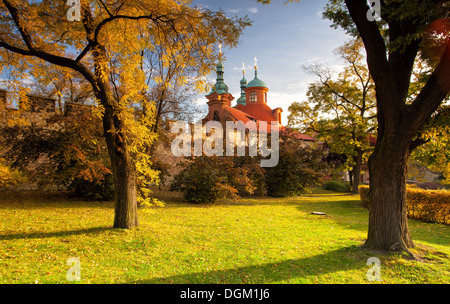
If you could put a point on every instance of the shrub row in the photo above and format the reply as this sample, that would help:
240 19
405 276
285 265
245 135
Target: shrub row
205 179
425 205
337 186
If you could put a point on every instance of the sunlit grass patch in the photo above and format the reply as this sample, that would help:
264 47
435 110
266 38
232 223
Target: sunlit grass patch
253 240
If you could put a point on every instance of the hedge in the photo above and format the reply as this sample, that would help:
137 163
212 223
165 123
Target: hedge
337 186
425 205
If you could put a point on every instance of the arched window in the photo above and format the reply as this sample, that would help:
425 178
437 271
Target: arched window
216 116
265 97
252 97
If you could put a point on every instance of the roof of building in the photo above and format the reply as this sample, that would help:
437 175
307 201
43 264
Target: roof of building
256 82
301 136
259 110
239 115
220 87
288 131
241 100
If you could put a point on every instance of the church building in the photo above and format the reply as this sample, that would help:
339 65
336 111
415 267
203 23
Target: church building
251 105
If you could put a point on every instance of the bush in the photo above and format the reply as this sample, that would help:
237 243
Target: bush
364 194
425 205
298 170
207 179
429 205
337 186
94 190
9 177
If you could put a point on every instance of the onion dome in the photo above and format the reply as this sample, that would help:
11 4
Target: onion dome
220 87
241 100
256 82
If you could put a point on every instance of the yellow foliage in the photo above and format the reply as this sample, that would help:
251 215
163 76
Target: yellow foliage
107 49
9 176
425 205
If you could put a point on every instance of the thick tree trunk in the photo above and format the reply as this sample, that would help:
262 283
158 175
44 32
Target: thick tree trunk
357 171
123 165
125 215
388 222
124 173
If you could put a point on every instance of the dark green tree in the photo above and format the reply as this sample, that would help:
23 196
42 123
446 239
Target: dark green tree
394 40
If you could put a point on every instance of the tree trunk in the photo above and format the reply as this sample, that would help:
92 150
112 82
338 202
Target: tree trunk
125 213
388 222
350 178
357 171
124 173
122 164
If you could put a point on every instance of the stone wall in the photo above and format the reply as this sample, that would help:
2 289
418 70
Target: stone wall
42 108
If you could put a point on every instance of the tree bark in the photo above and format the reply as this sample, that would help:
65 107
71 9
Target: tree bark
122 163
388 222
350 177
125 211
398 122
357 171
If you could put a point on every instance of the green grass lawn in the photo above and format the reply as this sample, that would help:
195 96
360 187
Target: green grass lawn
264 240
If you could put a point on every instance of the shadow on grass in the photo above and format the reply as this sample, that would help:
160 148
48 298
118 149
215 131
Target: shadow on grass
342 259
349 214
42 235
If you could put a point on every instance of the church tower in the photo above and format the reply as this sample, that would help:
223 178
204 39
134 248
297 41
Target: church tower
218 97
240 102
256 90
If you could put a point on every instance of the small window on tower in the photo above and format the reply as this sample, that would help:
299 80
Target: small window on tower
265 97
252 97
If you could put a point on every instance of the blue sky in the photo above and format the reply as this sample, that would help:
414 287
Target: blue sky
283 37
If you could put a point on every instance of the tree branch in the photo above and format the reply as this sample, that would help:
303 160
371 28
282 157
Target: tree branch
15 49
84 52
370 34
38 52
112 18
433 93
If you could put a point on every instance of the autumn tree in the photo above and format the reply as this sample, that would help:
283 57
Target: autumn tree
341 111
107 31
300 167
170 85
395 34
62 84
404 31
435 152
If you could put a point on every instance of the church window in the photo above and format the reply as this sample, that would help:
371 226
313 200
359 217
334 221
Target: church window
252 97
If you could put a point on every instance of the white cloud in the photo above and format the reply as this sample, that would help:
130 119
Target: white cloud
252 10
319 14
234 10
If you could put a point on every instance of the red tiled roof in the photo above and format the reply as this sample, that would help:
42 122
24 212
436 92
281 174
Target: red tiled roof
239 115
301 136
297 134
259 110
